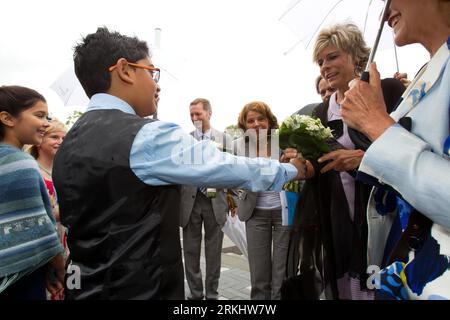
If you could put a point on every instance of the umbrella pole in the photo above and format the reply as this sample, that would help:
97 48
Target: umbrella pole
365 74
395 52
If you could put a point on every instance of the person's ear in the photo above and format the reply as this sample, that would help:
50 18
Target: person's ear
124 71
7 119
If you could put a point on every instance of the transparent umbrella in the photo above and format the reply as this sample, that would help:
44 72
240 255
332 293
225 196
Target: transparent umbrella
72 93
305 18
69 89
170 65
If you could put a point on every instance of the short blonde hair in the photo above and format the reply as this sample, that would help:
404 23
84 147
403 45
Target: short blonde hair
55 126
346 37
260 107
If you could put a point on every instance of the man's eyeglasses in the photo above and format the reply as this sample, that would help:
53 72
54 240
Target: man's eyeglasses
154 72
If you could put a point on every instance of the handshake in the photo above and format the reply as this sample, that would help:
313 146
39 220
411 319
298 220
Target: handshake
305 170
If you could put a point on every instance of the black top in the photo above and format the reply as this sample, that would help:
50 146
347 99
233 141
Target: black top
121 231
323 216
392 91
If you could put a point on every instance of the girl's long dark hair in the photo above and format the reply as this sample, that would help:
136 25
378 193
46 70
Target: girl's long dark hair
15 99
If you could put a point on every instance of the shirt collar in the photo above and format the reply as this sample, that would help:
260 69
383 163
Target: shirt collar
104 101
333 108
199 134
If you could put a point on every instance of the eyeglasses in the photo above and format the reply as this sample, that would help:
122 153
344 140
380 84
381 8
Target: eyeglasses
154 72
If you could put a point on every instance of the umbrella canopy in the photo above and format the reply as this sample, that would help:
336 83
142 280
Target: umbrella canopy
69 89
305 18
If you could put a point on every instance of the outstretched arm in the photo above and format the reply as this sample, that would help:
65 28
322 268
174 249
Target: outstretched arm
162 154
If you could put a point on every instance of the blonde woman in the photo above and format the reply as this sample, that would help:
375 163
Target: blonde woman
338 202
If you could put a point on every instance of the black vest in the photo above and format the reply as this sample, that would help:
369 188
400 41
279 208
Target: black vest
123 233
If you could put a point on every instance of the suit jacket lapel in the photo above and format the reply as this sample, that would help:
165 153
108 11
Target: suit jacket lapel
213 134
423 82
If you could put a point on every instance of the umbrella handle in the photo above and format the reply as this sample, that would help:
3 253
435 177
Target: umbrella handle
365 76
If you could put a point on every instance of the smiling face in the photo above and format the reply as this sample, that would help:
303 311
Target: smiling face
337 67
157 94
256 121
403 19
325 90
415 21
200 115
29 126
145 94
51 143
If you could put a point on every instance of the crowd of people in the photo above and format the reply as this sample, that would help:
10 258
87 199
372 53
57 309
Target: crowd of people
109 195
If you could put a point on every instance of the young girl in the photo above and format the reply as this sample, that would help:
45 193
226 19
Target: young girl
29 243
44 153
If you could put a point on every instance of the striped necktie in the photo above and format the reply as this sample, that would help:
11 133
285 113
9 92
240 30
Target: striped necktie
203 189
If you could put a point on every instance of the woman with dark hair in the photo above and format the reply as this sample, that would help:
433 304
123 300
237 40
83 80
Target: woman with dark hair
30 251
262 211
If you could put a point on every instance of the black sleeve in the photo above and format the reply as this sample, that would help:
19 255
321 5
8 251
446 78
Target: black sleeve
392 92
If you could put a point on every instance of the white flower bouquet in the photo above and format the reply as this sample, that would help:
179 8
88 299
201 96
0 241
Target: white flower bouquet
306 134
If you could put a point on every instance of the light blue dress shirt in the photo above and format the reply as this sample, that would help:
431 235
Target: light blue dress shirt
162 154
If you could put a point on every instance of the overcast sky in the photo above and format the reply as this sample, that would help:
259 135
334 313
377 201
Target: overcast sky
228 51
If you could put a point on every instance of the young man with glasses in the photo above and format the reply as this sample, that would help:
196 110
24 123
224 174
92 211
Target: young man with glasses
117 176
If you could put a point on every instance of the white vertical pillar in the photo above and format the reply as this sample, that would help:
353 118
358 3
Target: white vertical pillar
157 42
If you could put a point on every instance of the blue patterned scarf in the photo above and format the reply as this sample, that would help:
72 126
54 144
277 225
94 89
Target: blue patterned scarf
28 237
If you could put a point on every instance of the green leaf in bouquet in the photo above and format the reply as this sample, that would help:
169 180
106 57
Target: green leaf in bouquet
292 186
308 146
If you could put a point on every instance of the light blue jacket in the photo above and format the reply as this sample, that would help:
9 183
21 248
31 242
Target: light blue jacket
414 163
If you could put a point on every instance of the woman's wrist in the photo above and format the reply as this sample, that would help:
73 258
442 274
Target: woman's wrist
374 129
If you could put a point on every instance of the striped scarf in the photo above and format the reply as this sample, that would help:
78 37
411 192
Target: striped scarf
28 237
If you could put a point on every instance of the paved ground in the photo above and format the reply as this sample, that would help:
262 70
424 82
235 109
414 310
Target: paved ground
234 283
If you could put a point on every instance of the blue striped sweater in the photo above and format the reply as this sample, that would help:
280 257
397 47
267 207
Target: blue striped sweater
28 237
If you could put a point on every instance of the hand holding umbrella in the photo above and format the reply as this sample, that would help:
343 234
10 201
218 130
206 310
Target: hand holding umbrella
363 107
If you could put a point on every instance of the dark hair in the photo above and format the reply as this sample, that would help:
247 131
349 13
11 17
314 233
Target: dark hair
15 99
101 50
205 103
318 79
